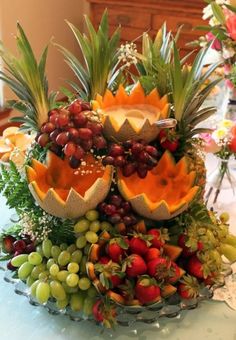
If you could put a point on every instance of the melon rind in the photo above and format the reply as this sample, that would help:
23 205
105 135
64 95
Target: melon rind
76 205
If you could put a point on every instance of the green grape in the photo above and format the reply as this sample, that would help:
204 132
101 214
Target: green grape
94 226
92 292
42 292
88 305
35 258
87 248
55 252
50 262
62 303
18 260
46 247
57 290
71 248
54 269
92 215
40 250
33 288
63 246
84 283
70 290
224 217
62 275
83 265
91 237
81 242
30 280
76 302
76 256
25 270
73 267
81 226
106 226
72 280
44 275
37 270
64 258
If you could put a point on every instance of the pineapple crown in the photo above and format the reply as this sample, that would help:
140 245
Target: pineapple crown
27 79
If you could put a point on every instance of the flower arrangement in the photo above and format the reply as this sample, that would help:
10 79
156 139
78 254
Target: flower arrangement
110 203
221 15
222 143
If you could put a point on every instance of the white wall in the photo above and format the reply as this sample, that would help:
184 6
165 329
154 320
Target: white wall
42 20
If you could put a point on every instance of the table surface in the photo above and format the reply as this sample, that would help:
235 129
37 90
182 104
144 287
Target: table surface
210 321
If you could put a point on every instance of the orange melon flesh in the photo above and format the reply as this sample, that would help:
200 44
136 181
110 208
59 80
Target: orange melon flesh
58 175
167 183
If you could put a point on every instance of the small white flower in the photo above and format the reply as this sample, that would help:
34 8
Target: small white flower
228 52
207 12
226 123
220 134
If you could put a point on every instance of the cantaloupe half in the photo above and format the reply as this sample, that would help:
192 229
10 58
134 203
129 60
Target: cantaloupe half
65 192
164 193
131 116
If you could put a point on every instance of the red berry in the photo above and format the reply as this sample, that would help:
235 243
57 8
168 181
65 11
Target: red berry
62 120
48 127
96 128
116 249
54 134
70 149
116 150
184 291
135 265
142 172
62 138
7 243
73 133
99 142
174 273
80 119
158 268
138 246
195 267
232 144
147 291
74 162
156 242
86 144
108 160
79 152
75 107
29 248
152 254
116 200
43 140
119 161
129 169
19 245
137 148
151 150
10 266
53 118
110 209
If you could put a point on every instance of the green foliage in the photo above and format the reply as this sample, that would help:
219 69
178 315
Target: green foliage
27 79
100 55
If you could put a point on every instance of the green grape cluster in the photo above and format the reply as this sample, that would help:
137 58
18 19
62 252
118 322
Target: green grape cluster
59 272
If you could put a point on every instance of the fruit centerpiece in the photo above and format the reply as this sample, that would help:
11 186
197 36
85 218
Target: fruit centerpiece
110 196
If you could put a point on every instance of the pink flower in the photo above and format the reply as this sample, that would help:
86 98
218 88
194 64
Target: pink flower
227 69
229 84
231 26
210 145
216 45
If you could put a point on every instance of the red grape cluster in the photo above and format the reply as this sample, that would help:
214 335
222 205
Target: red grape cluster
72 132
132 156
117 210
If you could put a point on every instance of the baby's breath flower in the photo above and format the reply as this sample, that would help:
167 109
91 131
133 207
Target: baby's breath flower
219 134
128 54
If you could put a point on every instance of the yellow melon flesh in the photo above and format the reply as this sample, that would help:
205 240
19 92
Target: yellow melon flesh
66 192
164 192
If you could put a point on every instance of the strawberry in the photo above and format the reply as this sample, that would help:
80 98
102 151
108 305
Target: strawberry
110 273
147 290
189 287
159 268
135 265
195 267
138 245
168 140
157 241
152 254
104 313
104 260
116 249
8 246
187 252
174 273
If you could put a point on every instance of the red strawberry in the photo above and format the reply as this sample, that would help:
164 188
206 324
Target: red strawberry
147 290
195 267
104 313
189 287
116 249
168 141
138 245
159 268
174 273
157 241
8 244
135 265
116 280
186 250
152 254
104 260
